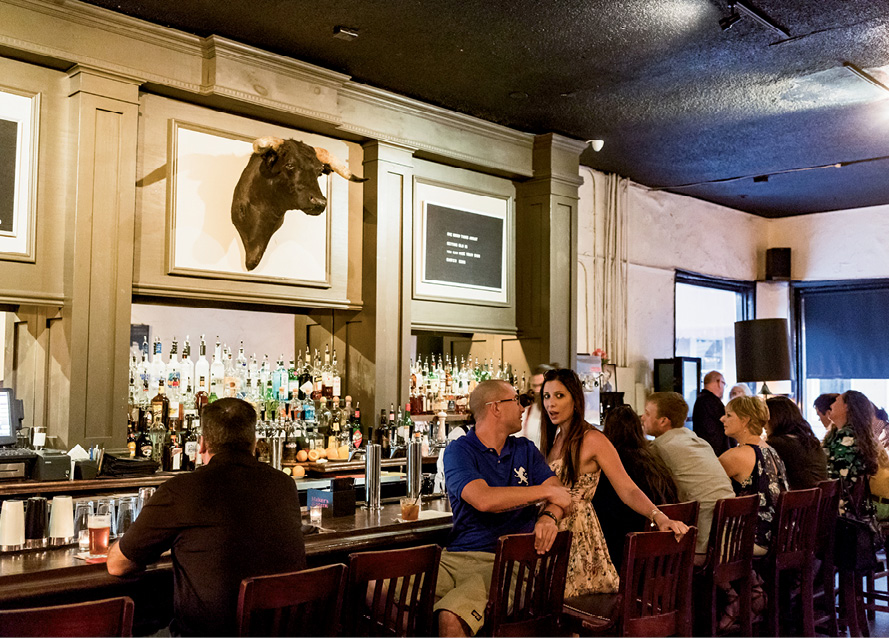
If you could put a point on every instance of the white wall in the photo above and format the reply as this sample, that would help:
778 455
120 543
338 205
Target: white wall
666 232
847 244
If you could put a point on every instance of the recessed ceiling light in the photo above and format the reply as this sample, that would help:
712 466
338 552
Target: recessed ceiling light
518 95
345 33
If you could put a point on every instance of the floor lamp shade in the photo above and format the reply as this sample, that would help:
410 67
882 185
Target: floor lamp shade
762 352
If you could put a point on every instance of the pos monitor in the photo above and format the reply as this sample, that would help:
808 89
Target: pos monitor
8 422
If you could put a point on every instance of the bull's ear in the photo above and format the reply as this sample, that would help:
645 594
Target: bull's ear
270 162
267 149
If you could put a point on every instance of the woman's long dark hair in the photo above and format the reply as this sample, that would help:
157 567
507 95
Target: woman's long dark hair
859 415
573 433
785 419
623 427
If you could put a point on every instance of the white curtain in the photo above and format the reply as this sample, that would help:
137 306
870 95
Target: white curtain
606 286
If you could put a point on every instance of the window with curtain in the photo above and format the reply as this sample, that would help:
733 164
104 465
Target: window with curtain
844 341
706 310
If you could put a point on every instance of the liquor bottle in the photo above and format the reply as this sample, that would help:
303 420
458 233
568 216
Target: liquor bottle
357 435
265 371
143 445
160 407
391 432
323 417
217 370
158 369
333 432
337 383
173 375
201 398
131 439
171 459
253 370
382 434
305 377
229 379
263 450
241 372
317 379
280 380
293 379
186 366
326 375
407 424
189 445
187 405
271 402
202 366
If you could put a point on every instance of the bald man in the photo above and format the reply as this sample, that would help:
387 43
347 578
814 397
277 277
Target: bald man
495 484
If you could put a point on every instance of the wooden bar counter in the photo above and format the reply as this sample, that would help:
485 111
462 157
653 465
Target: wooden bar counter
56 575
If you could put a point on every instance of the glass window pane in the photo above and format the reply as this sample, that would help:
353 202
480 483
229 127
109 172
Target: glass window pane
705 327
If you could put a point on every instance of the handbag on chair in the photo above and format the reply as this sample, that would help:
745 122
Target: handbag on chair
858 535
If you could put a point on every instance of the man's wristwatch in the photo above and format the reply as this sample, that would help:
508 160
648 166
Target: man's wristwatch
550 514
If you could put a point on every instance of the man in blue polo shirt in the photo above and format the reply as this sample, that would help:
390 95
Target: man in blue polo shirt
495 482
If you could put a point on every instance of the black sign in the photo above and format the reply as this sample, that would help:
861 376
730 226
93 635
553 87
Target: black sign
8 139
463 248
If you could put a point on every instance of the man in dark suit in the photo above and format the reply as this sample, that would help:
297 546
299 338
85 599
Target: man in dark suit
709 410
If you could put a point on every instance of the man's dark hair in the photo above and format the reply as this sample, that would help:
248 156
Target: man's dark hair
670 405
228 424
824 401
543 368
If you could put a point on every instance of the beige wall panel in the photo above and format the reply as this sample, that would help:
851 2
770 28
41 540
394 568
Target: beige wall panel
467 316
150 271
42 280
57 383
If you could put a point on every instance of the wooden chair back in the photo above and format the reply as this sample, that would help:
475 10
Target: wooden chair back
795 528
684 512
391 592
828 510
527 588
109 617
656 584
732 534
303 603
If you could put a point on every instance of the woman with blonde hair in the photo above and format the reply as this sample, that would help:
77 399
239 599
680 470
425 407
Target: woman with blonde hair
754 466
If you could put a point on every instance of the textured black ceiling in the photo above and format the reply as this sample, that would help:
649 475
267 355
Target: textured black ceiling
681 104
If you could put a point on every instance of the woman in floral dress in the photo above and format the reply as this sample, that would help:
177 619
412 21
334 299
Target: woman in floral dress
852 451
577 453
754 466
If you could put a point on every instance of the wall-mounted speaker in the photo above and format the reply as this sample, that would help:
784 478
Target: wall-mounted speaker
778 264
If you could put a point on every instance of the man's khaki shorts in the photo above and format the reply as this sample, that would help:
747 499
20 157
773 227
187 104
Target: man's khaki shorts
464 579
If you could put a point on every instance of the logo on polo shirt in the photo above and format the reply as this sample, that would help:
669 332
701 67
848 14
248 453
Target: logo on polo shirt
522 475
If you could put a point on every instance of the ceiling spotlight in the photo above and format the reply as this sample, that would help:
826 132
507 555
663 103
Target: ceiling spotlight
729 20
596 145
345 33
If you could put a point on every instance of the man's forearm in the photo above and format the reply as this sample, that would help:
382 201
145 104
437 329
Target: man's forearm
120 565
485 498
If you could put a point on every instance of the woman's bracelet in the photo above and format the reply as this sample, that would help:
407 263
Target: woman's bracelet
654 513
550 514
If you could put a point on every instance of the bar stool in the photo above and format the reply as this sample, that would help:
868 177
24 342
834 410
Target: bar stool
527 588
655 591
792 549
282 604
109 617
729 561
391 592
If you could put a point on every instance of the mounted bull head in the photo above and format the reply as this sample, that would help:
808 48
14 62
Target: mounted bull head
281 175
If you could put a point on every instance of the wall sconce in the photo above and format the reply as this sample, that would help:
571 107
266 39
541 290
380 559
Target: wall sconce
596 145
762 352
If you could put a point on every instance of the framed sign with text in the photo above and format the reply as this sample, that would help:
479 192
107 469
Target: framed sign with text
18 174
461 247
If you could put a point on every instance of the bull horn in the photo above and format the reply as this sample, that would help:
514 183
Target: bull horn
264 144
336 164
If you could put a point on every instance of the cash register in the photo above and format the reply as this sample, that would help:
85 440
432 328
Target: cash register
15 462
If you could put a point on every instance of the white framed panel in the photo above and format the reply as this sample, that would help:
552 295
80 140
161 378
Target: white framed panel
19 125
462 248
205 165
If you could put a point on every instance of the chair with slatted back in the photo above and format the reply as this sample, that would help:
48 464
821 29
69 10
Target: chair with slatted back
685 512
303 603
109 617
655 591
792 549
391 592
729 562
527 588
825 586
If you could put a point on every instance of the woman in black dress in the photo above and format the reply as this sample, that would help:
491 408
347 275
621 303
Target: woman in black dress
792 437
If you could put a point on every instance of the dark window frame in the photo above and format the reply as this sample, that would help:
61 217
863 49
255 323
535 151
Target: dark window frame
747 289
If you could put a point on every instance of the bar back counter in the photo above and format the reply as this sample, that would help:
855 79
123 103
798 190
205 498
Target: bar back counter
35 578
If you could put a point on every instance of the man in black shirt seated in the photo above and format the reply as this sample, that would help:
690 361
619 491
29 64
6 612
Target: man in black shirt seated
231 519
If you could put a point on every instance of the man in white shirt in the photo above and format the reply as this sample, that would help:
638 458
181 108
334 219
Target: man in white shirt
531 418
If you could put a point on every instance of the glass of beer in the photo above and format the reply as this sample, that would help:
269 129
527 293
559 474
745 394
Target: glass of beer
99 526
410 509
